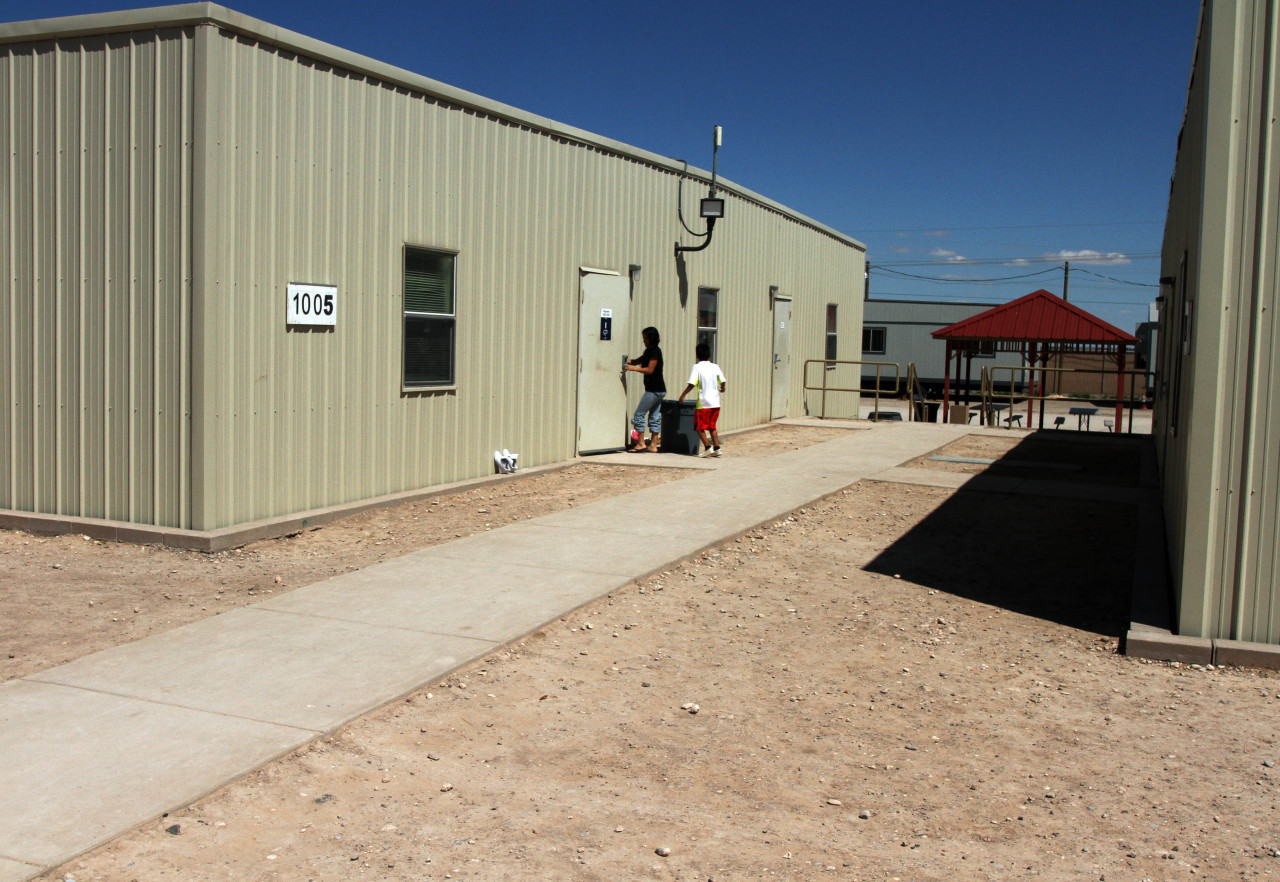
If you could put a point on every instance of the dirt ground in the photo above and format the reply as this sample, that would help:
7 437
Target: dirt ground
898 682
1043 456
66 596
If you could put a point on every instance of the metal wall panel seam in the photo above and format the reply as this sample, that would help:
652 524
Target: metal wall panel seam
185 214
8 423
57 405
72 271
1266 614
82 507
68 208
26 254
131 283
8 277
173 149
156 287
143 137
36 447
48 373
203 107
1254 576
255 438
1234 388
108 289
1270 484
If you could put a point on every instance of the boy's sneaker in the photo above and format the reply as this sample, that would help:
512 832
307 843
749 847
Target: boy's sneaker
715 451
706 451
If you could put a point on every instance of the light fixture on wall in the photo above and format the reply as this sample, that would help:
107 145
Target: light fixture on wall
634 272
710 208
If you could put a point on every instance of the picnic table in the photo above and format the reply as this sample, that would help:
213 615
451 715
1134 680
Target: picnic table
1083 416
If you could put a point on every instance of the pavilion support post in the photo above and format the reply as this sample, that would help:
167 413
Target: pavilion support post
1044 375
1031 379
1120 386
1028 358
959 361
968 377
946 385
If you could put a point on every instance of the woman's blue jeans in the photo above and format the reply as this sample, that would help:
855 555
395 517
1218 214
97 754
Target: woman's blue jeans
650 407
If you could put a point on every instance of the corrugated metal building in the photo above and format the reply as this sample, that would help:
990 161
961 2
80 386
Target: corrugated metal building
1217 426
171 172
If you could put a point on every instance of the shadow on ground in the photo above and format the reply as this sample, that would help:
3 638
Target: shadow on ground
1065 560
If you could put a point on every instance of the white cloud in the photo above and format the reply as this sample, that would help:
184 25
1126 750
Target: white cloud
944 253
942 234
1018 261
900 249
1111 258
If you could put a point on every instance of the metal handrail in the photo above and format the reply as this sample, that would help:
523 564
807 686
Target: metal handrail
824 388
990 396
915 391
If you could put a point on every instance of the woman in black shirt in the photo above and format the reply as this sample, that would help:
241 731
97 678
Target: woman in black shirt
655 388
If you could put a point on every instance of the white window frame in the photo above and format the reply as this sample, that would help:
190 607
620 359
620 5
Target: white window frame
449 319
709 333
833 337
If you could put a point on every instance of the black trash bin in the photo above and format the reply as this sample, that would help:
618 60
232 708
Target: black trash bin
678 432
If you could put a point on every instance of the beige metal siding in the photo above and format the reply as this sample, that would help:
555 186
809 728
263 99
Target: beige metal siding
320 174
171 171
93 220
1220 453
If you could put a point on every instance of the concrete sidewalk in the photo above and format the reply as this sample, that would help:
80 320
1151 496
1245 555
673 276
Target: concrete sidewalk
93 748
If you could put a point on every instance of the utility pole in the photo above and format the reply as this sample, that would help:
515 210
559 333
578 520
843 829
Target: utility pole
1057 375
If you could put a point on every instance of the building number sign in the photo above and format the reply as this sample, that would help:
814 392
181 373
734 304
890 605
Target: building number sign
311 304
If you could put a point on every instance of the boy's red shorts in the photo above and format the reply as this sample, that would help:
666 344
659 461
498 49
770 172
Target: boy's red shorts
704 419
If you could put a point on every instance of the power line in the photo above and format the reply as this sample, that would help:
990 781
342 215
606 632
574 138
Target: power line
883 269
988 298
1121 281
1016 227
981 261
1001 279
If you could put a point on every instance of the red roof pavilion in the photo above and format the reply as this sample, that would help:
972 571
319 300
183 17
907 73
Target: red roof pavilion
1033 325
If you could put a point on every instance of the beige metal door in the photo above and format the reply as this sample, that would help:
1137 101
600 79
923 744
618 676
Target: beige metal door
781 358
603 335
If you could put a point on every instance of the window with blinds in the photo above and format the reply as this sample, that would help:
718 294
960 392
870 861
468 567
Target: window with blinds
708 318
873 341
429 317
832 325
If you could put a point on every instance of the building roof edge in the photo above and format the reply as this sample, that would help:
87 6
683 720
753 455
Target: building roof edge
214 14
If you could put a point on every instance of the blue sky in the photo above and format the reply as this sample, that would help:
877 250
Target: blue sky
990 130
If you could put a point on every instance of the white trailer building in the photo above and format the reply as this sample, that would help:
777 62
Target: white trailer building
247 276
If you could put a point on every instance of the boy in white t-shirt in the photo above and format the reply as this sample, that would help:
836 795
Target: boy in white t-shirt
708 379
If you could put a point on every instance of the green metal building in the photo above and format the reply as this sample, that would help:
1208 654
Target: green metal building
245 274
1217 425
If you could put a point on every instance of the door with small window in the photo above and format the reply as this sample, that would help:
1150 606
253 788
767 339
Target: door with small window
781 359
603 338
